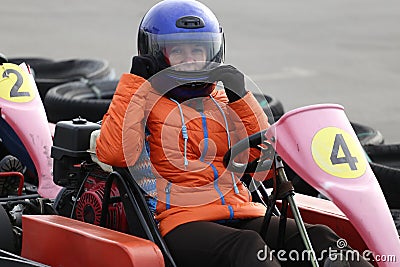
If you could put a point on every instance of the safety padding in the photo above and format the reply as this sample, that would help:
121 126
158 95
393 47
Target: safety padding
60 241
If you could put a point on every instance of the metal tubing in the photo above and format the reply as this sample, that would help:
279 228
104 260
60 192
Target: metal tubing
296 215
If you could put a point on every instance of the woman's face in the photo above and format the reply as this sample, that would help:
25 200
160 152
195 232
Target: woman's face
193 56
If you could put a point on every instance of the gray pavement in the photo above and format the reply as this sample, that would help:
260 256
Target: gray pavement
301 52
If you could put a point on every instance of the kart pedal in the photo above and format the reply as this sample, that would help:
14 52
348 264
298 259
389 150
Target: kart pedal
10 184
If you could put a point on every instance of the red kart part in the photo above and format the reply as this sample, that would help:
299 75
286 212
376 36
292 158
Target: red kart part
60 241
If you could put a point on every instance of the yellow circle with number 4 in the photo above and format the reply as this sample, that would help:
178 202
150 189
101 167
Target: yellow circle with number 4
338 153
15 84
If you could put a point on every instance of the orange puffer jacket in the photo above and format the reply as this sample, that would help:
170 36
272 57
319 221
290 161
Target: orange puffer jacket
187 144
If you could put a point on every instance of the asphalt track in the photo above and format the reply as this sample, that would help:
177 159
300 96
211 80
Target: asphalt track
301 52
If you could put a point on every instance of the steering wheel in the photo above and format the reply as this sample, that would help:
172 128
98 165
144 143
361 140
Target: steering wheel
262 163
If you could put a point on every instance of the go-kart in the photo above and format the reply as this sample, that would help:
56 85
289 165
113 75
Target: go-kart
60 207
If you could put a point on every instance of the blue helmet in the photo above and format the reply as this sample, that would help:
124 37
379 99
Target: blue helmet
181 21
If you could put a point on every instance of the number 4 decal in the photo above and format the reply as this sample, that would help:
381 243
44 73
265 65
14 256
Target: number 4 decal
338 153
347 158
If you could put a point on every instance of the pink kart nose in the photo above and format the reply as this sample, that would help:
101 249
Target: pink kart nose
319 144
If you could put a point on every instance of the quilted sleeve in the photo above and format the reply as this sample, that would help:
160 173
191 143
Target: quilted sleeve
250 115
122 130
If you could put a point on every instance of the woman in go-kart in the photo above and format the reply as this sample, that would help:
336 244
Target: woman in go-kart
205 213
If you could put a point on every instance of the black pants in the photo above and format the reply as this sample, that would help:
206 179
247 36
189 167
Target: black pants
239 244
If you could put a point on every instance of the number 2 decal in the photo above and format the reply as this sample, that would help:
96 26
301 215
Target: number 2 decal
15 84
18 83
338 153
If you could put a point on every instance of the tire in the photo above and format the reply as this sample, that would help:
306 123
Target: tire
389 180
7 238
274 106
89 100
49 73
31 61
386 166
385 154
396 218
367 135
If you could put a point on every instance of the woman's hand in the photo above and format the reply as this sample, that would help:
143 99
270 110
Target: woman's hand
232 79
146 66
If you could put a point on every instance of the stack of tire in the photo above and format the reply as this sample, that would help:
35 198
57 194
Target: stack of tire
385 163
87 99
49 73
91 99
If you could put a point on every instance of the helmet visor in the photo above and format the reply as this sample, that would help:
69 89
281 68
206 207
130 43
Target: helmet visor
188 48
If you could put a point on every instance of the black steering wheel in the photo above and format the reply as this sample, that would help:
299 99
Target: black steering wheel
262 163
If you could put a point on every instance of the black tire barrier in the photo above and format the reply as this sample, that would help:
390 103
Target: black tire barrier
49 73
31 61
389 180
396 219
90 100
384 154
367 135
385 163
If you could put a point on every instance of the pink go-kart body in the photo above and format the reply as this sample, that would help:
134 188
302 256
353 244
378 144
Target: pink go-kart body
23 110
319 143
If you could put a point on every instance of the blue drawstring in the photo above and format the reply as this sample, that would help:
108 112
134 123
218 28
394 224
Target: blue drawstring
186 137
229 141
